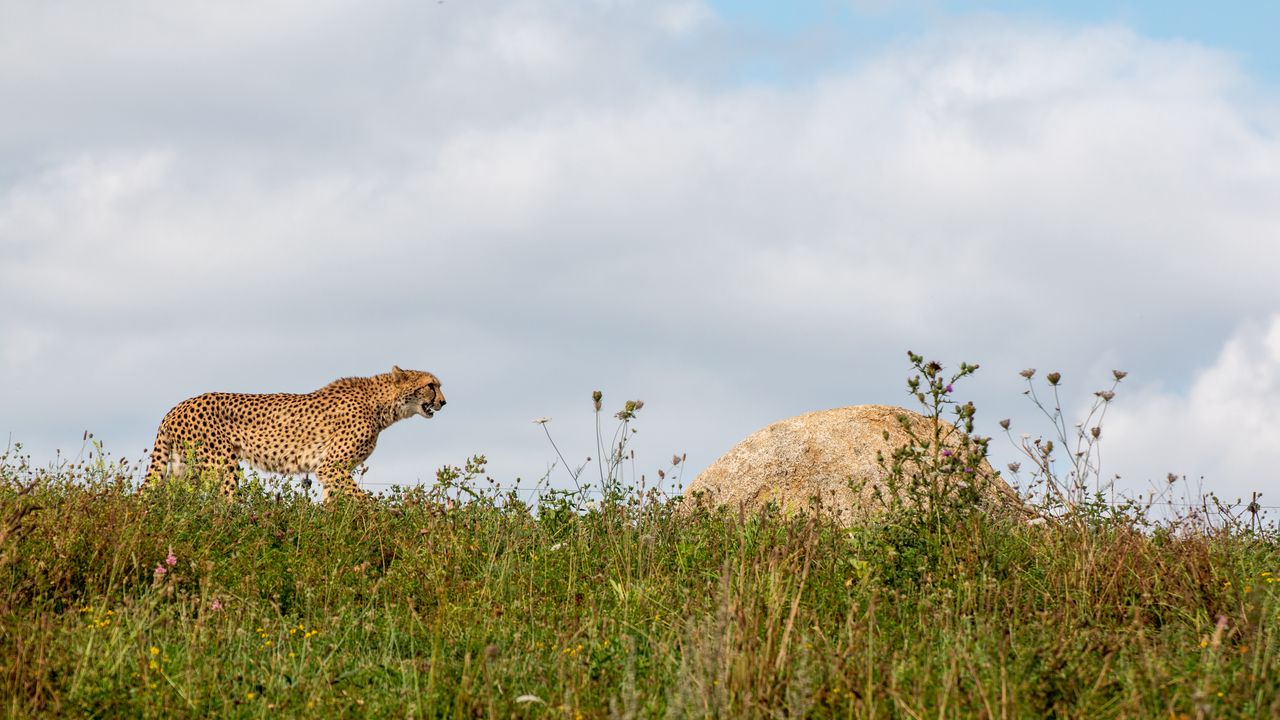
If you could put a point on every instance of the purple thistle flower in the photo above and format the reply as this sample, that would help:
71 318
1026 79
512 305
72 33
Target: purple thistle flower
946 453
947 389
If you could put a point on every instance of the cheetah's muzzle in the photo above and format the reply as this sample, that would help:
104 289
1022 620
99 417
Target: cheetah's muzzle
429 410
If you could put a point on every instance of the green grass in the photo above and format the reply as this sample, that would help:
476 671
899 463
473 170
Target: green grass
402 608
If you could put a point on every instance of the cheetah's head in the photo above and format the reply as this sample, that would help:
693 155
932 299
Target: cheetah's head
419 393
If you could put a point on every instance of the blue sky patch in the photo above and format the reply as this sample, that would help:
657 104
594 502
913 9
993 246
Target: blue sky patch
846 30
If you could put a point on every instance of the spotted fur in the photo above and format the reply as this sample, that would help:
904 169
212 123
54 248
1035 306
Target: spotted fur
327 432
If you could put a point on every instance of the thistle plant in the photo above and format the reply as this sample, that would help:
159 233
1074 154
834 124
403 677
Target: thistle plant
1079 485
943 469
611 457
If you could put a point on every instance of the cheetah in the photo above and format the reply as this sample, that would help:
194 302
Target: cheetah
327 432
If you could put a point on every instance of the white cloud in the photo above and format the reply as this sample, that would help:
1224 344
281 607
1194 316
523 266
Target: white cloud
539 199
1221 428
683 17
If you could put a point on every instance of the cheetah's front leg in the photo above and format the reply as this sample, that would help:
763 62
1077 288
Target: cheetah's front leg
336 477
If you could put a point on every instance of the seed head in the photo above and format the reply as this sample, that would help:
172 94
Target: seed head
1096 432
1005 423
1106 395
1119 374
1014 467
596 397
1028 373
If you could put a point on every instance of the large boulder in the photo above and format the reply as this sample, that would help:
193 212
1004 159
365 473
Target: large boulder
830 455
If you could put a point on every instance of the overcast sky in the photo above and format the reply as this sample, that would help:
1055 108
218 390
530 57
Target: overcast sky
735 213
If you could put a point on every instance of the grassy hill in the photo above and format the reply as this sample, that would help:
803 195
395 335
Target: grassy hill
178 604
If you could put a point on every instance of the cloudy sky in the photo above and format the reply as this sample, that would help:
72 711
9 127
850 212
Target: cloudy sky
735 211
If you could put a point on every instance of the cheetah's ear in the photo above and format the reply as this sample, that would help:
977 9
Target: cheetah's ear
396 372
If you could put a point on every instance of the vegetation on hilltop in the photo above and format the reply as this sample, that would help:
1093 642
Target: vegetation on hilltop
177 603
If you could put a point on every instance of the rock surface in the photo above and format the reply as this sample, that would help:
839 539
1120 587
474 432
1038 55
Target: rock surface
817 455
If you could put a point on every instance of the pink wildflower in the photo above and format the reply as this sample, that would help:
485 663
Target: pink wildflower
161 570
172 559
216 605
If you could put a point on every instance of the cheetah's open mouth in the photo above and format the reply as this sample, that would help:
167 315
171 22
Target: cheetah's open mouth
427 411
